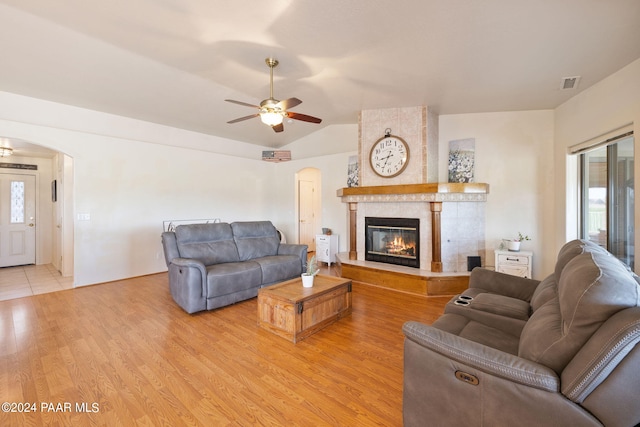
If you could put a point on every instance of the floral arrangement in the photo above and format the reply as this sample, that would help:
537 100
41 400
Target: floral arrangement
521 237
312 266
461 165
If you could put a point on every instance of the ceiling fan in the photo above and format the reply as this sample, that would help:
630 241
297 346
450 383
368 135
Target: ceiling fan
271 111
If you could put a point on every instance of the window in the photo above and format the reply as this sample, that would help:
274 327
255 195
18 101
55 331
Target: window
607 196
17 202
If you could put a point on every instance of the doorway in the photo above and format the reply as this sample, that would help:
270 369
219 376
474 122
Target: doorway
45 235
308 206
17 219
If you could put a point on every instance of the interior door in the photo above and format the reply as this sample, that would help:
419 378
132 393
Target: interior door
305 213
17 219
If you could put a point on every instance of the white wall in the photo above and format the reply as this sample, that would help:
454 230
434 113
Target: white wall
130 185
128 197
514 155
314 151
610 104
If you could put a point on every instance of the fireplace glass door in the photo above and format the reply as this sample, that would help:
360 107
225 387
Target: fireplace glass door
393 240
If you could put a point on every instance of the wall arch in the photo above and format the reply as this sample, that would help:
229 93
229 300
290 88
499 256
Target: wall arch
54 216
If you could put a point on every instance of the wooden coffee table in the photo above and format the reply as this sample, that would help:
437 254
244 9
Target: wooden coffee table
294 312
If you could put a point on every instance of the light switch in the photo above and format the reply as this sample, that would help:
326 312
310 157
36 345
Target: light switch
84 217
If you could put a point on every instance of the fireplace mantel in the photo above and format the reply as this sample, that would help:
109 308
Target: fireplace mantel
433 194
415 192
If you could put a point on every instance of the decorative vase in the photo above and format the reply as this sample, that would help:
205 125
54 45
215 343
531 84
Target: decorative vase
307 280
513 246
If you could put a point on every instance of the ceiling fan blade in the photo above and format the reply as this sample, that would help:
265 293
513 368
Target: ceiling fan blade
241 103
240 119
289 103
272 106
303 117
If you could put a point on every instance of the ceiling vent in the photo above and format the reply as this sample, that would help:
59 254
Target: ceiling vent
569 83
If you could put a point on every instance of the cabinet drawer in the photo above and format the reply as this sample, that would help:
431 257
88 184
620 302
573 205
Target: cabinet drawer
324 239
514 270
513 259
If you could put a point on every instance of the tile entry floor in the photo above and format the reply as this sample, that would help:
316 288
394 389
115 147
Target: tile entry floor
28 280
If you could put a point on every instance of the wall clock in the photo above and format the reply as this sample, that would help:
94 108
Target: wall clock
389 156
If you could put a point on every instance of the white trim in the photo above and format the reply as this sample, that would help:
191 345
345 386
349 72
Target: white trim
601 140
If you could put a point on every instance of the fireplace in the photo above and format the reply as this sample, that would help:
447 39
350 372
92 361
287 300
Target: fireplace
393 240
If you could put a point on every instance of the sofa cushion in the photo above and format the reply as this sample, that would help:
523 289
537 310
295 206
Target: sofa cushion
255 239
279 268
506 314
477 332
546 291
592 287
208 243
227 278
572 249
568 251
501 305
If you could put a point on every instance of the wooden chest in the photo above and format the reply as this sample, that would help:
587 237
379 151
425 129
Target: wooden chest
294 312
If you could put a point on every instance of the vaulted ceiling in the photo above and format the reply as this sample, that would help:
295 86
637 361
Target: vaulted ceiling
174 62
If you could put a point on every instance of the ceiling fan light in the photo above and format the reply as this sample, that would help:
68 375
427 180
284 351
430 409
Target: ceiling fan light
6 151
272 118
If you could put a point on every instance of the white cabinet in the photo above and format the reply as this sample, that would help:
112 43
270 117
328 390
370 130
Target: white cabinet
514 263
326 248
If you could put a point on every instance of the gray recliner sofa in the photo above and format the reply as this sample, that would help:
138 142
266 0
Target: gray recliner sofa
214 265
510 351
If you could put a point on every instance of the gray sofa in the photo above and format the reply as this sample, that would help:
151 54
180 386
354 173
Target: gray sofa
214 265
510 351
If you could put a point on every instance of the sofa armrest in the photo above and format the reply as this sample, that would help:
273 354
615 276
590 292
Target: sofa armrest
503 284
294 249
188 283
190 263
170 246
486 359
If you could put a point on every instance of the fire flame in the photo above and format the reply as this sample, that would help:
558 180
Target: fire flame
398 246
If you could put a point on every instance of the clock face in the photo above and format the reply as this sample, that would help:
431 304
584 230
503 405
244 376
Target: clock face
389 156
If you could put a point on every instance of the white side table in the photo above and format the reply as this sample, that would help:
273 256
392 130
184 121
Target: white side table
514 263
326 248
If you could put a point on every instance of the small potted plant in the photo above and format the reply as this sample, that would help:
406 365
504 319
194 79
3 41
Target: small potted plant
514 244
312 270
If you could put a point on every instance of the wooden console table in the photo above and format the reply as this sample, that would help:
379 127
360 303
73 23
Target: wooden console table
294 312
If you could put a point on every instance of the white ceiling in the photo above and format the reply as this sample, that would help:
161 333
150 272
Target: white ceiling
175 61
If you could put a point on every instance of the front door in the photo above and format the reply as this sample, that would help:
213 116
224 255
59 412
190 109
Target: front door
17 219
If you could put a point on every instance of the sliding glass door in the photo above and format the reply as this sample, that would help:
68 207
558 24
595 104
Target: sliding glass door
607 197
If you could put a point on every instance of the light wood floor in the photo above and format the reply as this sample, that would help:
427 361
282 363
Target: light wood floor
128 352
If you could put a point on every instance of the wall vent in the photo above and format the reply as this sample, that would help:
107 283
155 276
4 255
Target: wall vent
569 83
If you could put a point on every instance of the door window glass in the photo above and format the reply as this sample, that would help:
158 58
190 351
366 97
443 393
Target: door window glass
17 202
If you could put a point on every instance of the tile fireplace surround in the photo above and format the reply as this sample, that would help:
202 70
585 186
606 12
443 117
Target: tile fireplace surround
452 219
